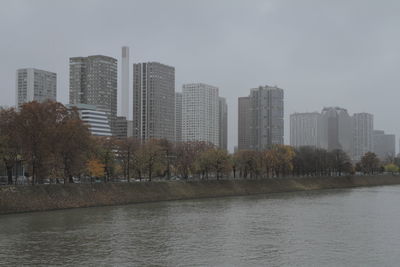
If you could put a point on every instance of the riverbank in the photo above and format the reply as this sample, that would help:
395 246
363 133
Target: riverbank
14 199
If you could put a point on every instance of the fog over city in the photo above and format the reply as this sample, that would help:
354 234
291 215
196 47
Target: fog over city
322 53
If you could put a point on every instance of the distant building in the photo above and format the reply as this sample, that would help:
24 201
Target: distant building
121 127
153 101
200 113
93 81
244 122
304 129
363 126
125 82
223 123
336 130
178 117
35 85
266 117
96 120
384 144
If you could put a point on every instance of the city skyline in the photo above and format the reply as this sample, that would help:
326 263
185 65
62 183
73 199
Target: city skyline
339 57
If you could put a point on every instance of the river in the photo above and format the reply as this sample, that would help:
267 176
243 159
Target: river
346 227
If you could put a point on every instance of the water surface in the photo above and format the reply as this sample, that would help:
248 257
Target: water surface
346 227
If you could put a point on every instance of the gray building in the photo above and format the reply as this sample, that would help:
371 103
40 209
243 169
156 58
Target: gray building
153 101
93 81
178 117
121 127
35 85
336 130
304 129
200 113
244 122
384 144
223 123
267 112
363 126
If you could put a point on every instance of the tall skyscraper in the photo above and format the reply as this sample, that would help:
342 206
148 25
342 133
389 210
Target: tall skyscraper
363 127
178 117
266 117
35 85
153 101
223 123
244 123
304 129
125 83
93 81
384 144
200 120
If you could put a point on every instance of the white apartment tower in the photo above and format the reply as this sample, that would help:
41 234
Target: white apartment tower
200 113
304 129
363 128
35 85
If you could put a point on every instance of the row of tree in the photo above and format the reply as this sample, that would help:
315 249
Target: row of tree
52 142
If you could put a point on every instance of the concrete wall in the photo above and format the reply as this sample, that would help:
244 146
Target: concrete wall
49 197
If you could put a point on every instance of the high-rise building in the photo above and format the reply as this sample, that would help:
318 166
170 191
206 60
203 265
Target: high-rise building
363 126
223 123
384 144
121 127
304 129
153 101
244 122
178 117
96 120
35 85
93 81
200 112
125 83
336 130
266 117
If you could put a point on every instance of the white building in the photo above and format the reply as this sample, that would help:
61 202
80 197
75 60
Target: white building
125 83
96 120
35 85
200 113
363 127
304 129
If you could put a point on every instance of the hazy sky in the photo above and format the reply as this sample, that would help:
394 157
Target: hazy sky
322 53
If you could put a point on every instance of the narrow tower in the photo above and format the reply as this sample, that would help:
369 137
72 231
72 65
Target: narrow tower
125 83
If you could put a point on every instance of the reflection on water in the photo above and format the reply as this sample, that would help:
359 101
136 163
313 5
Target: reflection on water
356 227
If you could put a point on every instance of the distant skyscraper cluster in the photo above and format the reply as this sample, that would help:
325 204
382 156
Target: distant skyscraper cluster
196 114
334 128
260 118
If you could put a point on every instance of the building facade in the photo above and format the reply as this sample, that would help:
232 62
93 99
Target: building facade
223 123
153 101
304 129
336 130
93 81
267 113
244 122
125 83
35 85
384 144
363 127
200 113
178 117
96 120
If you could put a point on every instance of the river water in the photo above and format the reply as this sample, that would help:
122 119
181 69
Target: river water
347 227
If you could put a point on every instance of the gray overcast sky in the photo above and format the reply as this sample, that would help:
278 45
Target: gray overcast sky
322 53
